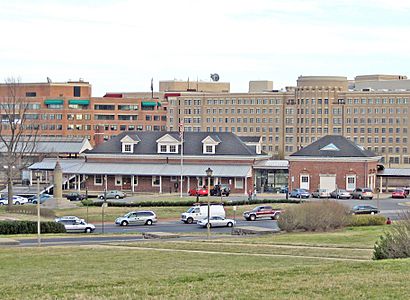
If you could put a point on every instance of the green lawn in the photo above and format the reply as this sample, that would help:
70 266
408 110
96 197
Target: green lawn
234 268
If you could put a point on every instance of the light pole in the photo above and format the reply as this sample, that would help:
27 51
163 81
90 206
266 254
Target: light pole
208 225
37 175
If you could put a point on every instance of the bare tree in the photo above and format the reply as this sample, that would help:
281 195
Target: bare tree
18 132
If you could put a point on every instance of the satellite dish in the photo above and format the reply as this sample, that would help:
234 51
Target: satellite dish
215 77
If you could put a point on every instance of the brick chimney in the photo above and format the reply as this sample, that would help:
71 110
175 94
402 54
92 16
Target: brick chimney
99 135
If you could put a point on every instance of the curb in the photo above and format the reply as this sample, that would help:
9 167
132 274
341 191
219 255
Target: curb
8 242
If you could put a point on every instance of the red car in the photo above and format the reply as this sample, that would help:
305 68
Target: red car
399 194
198 191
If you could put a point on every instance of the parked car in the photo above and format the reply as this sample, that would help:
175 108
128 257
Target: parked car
340 194
216 221
299 193
321 193
75 196
43 198
72 225
114 194
399 194
284 189
68 218
17 200
200 211
198 192
220 190
143 217
261 212
362 193
364 209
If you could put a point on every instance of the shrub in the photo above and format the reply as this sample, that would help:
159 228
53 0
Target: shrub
367 220
27 227
315 216
184 202
394 243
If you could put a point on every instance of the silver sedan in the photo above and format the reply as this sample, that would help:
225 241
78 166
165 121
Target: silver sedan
216 221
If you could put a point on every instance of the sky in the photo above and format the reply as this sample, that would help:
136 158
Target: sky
119 45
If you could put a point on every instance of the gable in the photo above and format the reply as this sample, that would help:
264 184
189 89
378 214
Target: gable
167 139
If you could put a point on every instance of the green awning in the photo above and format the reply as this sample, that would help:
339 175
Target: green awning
159 103
149 103
53 101
79 102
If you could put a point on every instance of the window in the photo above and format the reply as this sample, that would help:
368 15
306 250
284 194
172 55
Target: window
77 91
135 180
163 148
127 148
31 94
209 149
172 149
156 180
97 179
118 180
238 183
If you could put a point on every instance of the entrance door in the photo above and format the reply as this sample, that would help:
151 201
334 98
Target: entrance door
304 182
350 182
327 182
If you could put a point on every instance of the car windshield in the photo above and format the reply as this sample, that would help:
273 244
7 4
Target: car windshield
190 210
367 190
128 214
399 191
342 191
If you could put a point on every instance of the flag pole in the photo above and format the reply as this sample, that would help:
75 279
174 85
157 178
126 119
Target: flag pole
181 135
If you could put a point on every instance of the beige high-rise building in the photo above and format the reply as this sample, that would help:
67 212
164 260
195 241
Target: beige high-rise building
371 110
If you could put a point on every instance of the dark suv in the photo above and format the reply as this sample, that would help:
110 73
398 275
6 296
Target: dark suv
220 190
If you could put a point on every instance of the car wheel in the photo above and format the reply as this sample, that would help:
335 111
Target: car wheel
337 197
102 197
34 202
77 199
1 203
190 220
230 224
17 203
372 213
360 197
227 194
117 197
149 222
88 230
252 217
124 223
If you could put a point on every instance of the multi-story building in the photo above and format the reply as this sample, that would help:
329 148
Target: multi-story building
371 110
68 110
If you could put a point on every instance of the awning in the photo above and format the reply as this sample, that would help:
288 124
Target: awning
149 103
79 102
90 168
53 101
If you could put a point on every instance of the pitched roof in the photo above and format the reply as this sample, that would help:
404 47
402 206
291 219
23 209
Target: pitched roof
250 139
230 144
334 146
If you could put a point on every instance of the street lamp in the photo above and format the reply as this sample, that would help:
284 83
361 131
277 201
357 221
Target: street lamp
209 172
37 174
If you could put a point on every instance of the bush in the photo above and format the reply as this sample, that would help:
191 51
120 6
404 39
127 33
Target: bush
315 216
183 202
27 227
394 243
367 220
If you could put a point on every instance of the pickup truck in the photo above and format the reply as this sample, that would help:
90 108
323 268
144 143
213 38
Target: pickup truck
262 212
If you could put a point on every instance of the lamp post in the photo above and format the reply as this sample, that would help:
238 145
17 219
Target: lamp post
209 172
38 175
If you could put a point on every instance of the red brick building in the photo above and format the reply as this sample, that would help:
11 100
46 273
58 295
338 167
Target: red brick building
332 162
151 162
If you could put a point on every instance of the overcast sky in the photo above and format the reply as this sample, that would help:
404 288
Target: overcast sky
120 45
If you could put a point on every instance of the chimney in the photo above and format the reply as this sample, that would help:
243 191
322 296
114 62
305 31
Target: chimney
99 135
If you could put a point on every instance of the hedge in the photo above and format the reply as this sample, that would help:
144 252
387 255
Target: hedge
31 210
185 203
367 220
27 227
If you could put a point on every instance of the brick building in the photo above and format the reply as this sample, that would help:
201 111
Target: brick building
151 162
332 162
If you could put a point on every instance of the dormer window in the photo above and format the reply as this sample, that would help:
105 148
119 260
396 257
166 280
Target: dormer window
127 148
209 149
167 144
209 144
164 148
128 143
172 148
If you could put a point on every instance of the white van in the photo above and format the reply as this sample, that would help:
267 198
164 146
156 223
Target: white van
200 211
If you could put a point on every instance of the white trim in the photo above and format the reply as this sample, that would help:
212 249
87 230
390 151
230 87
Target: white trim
95 182
347 181
305 185
135 180
333 159
124 150
197 157
153 178
240 181
118 180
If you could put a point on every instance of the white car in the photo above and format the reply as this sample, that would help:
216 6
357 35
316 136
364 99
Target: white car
68 218
216 221
77 226
17 200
